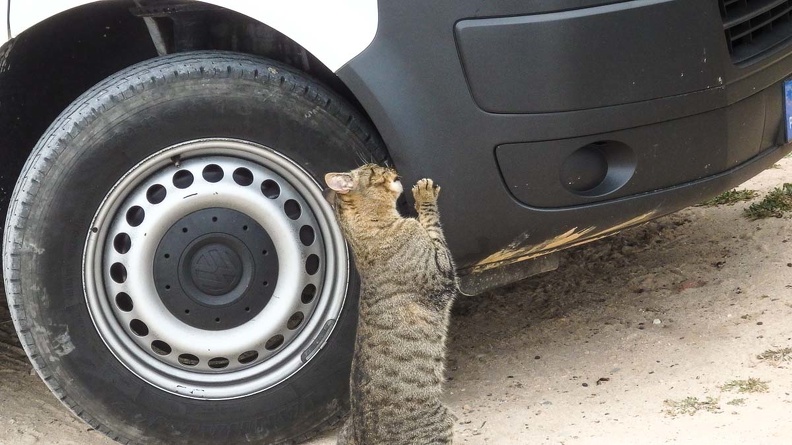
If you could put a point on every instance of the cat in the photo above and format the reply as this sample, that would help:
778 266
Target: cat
408 283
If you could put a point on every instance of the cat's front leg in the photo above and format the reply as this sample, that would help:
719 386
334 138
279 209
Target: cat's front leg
425 193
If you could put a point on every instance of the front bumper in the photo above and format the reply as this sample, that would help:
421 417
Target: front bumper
549 126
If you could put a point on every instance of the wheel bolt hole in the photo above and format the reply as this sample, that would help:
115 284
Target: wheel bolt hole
212 173
247 357
274 342
292 209
312 264
118 273
247 309
217 320
244 228
214 219
167 255
167 287
185 229
156 194
122 243
265 283
186 311
183 179
243 176
218 362
307 235
124 302
308 294
135 216
188 360
264 252
160 347
295 320
139 328
270 189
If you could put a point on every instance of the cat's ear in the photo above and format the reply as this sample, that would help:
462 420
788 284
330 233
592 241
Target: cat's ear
340 182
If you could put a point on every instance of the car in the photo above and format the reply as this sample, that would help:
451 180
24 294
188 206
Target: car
171 265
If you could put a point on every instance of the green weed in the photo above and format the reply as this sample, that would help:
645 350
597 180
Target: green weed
750 385
776 355
691 405
730 197
775 204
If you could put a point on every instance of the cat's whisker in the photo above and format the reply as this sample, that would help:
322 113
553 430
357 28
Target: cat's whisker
360 159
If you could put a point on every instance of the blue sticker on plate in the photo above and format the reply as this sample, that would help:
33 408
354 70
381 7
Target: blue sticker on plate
788 108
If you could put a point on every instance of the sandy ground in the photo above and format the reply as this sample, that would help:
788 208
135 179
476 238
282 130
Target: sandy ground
590 353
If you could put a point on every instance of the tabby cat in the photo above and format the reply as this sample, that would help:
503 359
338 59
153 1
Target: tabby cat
408 283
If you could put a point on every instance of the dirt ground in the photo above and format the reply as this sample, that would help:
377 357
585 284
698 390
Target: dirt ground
611 348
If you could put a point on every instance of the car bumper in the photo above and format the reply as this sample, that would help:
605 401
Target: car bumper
563 123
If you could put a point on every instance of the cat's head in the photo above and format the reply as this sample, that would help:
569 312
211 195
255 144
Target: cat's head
370 182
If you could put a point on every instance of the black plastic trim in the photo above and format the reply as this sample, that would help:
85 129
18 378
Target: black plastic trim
414 88
564 61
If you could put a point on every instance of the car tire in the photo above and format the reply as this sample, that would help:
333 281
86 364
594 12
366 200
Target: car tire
170 265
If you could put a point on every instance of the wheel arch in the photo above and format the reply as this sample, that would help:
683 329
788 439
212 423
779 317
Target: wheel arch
334 31
64 48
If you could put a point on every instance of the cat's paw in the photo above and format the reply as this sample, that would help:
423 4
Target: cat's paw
425 190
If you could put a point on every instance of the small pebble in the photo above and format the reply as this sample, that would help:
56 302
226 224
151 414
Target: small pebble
537 357
585 385
656 321
759 323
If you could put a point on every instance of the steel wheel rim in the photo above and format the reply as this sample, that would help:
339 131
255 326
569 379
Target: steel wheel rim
119 267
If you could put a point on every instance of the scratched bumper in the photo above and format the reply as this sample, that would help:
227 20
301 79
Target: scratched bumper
550 124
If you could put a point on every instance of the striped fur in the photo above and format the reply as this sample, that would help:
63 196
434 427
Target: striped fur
408 283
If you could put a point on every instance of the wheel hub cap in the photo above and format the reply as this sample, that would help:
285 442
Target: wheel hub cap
216 269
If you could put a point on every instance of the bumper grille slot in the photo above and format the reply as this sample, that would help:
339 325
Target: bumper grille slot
755 27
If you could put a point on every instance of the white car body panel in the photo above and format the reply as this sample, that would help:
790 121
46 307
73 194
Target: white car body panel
4 33
334 31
